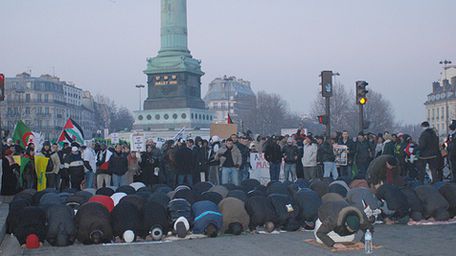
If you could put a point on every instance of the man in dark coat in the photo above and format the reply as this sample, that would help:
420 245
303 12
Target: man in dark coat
338 222
346 171
309 202
434 204
429 152
126 221
61 229
149 161
185 165
208 219
93 224
261 212
363 155
118 166
395 205
416 206
155 220
286 211
15 208
27 226
180 211
273 154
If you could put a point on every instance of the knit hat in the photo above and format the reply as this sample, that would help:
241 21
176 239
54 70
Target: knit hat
156 233
32 242
128 236
352 222
106 201
181 226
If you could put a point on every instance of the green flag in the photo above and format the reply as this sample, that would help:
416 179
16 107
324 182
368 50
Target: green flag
24 162
22 134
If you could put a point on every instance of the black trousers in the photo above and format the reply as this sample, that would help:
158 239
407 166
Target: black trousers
76 178
434 165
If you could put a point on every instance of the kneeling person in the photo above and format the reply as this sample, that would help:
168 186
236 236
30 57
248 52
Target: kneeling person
208 219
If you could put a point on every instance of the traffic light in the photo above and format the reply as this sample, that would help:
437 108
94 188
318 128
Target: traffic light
361 98
323 119
326 83
2 87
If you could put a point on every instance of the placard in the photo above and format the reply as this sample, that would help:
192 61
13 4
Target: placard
138 142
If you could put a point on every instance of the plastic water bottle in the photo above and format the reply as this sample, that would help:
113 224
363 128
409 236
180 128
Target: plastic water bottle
368 242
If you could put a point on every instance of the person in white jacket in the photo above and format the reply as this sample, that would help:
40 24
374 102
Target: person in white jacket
309 159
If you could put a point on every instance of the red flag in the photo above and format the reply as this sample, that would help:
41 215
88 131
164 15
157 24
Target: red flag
229 121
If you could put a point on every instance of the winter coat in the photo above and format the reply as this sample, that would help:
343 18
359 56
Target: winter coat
125 216
309 158
388 148
339 187
428 144
434 204
332 214
235 154
233 211
351 149
395 199
90 217
27 225
290 154
377 171
309 202
327 153
118 164
273 153
155 215
61 229
413 200
15 208
449 192
363 197
363 152
286 210
180 207
56 162
206 212
245 153
184 161
260 211
9 181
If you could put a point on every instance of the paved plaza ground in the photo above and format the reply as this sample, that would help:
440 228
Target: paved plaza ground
396 240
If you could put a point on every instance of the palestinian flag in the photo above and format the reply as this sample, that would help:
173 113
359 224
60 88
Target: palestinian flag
72 132
23 134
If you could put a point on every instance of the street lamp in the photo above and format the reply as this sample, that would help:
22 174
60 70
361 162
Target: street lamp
445 63
140 86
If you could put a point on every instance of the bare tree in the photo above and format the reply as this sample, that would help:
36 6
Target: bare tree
379 112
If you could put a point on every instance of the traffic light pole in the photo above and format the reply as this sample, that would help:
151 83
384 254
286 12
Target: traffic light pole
361 118
328 118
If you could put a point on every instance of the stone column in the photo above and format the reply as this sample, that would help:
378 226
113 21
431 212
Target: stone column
173 28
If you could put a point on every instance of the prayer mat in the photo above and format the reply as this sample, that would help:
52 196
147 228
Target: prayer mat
431 222
350 246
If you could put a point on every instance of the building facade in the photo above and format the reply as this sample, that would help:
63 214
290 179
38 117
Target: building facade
230 95
44 103
441 103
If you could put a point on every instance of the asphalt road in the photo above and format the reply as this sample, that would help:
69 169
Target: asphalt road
396 240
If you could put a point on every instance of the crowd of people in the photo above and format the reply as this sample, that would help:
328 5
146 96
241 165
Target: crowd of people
204 187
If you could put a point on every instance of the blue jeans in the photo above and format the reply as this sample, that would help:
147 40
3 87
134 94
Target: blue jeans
182 177
244 173
274 171
118 180
230 175
89 179
330 168
290 169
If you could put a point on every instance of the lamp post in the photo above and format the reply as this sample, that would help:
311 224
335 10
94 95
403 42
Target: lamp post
140 86
445 63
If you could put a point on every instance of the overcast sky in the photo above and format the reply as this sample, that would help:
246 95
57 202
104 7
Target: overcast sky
279 45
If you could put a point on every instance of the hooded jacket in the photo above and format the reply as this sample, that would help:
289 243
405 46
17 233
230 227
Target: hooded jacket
118 164
125 216
428 144
332 214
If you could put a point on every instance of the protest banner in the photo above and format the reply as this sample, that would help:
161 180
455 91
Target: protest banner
341 152
138 142
260 169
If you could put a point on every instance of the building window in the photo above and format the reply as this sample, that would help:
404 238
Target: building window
192 117
27 97
443 114
157 117
27 110
200 117
174 116
46 97
140 117
38 97
149 117
166 116
184 116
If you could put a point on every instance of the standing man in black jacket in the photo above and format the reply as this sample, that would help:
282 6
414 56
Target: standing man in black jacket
273 154
428 146
184 165
118 166
363 155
